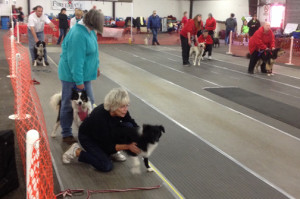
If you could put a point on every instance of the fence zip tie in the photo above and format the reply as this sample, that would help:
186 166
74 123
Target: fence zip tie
89 192
69 192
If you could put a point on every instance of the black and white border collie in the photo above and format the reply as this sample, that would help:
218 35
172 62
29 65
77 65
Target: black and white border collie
81 104
39 49
146 137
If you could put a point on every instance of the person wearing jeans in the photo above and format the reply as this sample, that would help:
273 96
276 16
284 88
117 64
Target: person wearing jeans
78 65
154 25
63 25
96 133
230 26
36 22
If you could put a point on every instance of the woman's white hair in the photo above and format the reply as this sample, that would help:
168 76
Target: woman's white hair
116 98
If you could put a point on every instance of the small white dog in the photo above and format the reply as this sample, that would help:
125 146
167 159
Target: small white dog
81 104
197 51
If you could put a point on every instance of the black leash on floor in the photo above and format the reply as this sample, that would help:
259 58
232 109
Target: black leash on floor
69 192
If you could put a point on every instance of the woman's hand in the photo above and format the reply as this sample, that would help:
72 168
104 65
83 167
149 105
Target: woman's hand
81 86
98 72
133 148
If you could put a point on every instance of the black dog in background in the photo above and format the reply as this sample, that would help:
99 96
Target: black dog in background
216 42
146 137
39 50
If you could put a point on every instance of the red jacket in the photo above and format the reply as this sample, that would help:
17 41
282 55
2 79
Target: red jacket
210 24
261 40
191 28
184 20
207 40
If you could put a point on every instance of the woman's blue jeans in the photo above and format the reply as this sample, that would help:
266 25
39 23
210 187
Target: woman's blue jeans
66 110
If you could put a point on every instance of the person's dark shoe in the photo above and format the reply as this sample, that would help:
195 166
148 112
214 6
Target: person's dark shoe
251 72
47 63
69 140
157 43
153 44
186 63
264 71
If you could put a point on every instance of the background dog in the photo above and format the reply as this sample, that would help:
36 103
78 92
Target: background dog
82 107
216 42
196 53
38 50
146 137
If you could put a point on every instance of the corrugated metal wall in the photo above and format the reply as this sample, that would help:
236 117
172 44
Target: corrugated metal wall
292 11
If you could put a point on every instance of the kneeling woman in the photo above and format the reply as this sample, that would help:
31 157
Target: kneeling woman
95 133
206 38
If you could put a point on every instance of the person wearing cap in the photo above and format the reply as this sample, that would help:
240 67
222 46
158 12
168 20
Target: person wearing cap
154 25
253 25
206 38
188 31
263 39
210 25
78 65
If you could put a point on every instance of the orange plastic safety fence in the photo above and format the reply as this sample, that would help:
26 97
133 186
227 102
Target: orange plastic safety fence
29 116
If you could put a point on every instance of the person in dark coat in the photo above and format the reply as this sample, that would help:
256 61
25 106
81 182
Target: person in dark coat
262 39
230 26
154 25
96 133
63 24
21 15
253 25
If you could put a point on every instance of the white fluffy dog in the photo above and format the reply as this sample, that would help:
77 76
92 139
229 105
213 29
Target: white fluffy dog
196 53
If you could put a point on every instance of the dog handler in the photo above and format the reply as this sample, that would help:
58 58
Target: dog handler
78 66
262 39
36 22
189 30
210 25
206 38
96 133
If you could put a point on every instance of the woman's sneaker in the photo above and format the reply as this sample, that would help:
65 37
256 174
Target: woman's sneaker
118 157
70 154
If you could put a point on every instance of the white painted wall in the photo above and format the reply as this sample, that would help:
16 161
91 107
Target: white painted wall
221 9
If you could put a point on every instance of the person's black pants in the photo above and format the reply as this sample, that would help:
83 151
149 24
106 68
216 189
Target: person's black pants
254 57
208 48
211 33
185 49
199 33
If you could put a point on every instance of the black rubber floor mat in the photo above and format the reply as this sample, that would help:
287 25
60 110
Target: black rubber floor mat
272 108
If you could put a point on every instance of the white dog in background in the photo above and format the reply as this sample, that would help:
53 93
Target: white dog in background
196 53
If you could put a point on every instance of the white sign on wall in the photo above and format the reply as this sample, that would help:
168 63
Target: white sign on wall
69 5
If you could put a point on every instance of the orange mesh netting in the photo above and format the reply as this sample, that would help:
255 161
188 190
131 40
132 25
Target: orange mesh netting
29 116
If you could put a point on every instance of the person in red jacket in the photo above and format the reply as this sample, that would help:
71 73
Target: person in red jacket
210 25
189 30
262 39
206 38
184 19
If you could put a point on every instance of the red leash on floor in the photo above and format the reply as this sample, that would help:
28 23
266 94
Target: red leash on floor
69 192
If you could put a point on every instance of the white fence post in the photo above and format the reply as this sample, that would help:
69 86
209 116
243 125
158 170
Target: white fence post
18 33
13 50
230 42
32 138
291 51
